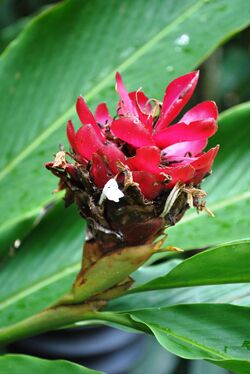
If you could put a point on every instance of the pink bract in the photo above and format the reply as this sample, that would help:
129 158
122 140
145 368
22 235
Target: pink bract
143 137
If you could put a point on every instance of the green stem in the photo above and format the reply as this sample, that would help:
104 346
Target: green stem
63 316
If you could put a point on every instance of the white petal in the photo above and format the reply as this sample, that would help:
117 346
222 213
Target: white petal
111 191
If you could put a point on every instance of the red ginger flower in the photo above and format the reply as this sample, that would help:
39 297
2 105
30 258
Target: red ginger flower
159 153
137 173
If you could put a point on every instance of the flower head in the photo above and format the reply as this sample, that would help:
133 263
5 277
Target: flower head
139 156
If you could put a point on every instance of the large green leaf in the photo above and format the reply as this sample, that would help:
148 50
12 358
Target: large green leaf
44 267
21 364
219 333
214 266
237 294
76 48
228 188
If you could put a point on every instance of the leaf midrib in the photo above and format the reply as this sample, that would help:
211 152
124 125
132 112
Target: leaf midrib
99 87
192 342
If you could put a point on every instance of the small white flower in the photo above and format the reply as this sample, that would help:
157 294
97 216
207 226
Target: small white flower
111 192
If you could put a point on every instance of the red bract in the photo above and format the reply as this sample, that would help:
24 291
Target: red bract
144 139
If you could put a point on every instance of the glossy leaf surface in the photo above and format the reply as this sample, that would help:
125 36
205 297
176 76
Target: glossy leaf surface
237 294
44 267
219 333
228 263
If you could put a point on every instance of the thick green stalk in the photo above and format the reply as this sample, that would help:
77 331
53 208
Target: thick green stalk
51 319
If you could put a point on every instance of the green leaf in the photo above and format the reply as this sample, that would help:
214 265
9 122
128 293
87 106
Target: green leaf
237 294
44 267
228 188
228 263
241 367
91 40
216 332
21 364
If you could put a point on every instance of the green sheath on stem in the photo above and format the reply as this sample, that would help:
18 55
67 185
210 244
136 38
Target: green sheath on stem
108 271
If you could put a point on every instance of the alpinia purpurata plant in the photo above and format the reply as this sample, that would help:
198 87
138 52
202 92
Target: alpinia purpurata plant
138 172
138 178
133 176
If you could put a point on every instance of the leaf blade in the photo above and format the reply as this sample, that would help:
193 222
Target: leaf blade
44 267
192 331
213 266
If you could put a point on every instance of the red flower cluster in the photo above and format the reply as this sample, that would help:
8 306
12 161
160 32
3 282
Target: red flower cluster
159 153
